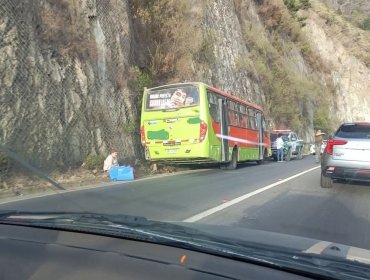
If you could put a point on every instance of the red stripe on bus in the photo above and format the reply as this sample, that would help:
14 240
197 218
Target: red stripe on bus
241 133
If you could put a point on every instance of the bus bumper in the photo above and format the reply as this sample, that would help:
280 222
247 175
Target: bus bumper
177 154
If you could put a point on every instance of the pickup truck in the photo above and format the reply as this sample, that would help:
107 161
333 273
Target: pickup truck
293 146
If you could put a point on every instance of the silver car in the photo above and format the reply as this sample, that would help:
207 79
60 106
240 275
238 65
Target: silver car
347 155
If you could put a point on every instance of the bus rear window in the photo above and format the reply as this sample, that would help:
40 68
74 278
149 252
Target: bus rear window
174 97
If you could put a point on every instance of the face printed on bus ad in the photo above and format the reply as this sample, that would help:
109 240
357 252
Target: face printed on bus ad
178 98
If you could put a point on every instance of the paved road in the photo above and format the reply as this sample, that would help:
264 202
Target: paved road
263 197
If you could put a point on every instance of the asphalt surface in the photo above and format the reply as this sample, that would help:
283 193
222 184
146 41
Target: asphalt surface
264 197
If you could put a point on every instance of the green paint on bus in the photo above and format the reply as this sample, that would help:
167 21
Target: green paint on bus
194 120
158 135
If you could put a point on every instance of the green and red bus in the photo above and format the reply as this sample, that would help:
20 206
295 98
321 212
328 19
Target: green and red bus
189 123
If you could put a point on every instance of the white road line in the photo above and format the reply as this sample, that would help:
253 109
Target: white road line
225 205
318 247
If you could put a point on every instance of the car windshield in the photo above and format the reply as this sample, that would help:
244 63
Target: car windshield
145 117
274 136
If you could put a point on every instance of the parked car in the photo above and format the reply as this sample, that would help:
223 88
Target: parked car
323 145
293 146
347 155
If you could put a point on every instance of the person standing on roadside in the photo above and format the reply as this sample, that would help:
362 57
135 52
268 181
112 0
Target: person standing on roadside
111 160
318 143
280 148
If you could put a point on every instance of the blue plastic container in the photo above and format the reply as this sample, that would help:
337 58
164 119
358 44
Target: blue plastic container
121 173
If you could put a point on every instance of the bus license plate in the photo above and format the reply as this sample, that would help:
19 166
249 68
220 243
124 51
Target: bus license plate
171 151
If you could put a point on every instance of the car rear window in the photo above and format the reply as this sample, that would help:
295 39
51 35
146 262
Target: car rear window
354 131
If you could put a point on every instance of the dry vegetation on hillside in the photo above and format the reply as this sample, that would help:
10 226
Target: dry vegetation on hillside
353 38
167 30
291 94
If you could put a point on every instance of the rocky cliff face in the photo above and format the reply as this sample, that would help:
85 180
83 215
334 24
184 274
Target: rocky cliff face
64 90
349 6
229 67
350 75
71 71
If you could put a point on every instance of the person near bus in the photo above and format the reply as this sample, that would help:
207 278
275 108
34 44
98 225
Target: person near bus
318 143
280 148
111 160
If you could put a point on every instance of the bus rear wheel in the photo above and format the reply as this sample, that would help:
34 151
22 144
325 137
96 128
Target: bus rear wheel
288 157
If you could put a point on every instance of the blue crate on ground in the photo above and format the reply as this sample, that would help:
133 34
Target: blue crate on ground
121 173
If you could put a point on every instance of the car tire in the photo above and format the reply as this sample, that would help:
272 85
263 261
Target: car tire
288 155
326 182
300 154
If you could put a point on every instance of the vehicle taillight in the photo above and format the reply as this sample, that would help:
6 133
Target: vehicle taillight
331 143
202 131
142 133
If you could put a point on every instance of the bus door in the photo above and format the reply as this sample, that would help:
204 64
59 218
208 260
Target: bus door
224 130
260 135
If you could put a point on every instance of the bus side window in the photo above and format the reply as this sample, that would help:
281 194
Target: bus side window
236 118
235 114
252 118
194 95
243 118
264 127
232 113
257 123
213 106
230 116
252 121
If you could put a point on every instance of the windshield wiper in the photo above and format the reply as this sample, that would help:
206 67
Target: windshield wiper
33 169
122 226
119 225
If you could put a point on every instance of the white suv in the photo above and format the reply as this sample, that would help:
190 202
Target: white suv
347 155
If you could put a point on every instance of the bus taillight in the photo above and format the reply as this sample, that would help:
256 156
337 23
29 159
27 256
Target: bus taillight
202 131
142 133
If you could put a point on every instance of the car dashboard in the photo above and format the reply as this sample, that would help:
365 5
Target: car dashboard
39 253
